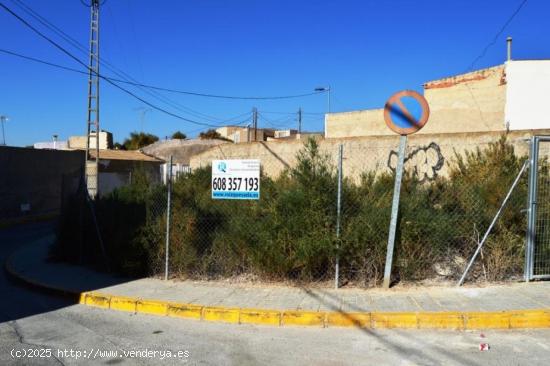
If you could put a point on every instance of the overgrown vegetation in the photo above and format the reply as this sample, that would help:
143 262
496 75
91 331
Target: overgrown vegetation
178 135
289 234
212 134
137 140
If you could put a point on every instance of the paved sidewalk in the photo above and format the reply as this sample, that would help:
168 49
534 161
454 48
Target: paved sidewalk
30 262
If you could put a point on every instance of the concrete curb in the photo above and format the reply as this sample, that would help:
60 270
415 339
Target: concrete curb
458 320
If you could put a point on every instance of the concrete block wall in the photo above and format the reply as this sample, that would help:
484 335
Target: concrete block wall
35 178
427 154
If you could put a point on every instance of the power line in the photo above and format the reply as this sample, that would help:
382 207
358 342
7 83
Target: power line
482 54
125 77
29 58
86 73
62 49
495 38
316 113
77 44
79 72
278 122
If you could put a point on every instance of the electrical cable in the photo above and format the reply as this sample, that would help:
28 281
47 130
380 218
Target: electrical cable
126 78
482 54
62 49
495 38
77 44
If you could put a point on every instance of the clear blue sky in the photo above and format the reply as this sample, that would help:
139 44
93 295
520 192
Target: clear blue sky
365 50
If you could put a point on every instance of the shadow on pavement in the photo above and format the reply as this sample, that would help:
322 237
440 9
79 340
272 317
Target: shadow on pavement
20 299
394 346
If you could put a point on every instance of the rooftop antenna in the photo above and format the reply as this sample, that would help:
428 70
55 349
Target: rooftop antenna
92 125
509 47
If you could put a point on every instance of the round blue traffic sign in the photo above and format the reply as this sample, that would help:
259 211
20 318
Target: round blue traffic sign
406 112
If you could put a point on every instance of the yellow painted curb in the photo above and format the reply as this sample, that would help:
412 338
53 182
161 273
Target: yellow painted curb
441 320
185 311
470 320
480 320
261 316
530 319
227 315
299 317
98 300
123 304
394 320
152 307
361 320
419 320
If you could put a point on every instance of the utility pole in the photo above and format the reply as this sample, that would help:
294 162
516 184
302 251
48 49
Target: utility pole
2 120
92 125
255 123
300 120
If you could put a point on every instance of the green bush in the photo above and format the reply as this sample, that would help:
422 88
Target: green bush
290 233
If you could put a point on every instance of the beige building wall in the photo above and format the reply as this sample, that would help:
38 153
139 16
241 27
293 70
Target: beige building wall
239 134
79 142
472 102
368 122
427 155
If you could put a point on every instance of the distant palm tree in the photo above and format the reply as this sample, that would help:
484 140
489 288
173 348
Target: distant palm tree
212 135
179 135
137 140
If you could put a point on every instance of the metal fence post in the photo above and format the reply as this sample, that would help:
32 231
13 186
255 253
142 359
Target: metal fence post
338 214
168 212
394 210
532 208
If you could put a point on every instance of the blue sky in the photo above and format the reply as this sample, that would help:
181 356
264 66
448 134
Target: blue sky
365 50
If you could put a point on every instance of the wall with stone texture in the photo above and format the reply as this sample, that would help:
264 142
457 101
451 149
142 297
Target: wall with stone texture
427 155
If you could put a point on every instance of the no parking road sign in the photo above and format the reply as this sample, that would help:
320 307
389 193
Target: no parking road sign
406 112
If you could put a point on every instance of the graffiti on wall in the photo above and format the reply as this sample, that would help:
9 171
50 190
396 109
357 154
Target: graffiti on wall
424 162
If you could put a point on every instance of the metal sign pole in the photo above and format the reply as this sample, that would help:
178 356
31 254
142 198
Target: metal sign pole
395 209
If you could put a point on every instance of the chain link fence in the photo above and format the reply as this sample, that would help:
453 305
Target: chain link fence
538 243
310 226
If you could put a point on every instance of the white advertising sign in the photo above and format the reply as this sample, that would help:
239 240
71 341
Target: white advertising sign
236 179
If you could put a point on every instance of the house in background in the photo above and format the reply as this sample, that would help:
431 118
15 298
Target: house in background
77 142
239 134
181 152
290 134
508 97
117 168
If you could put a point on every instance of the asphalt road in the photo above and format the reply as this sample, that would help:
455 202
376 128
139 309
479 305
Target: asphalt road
56 332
